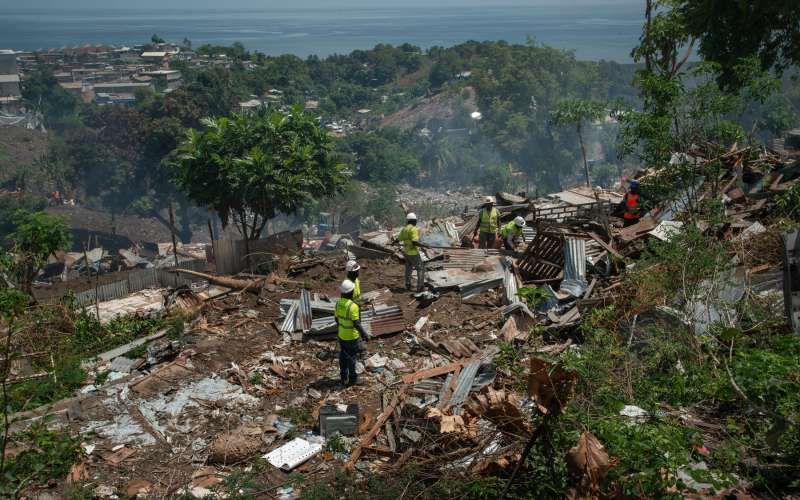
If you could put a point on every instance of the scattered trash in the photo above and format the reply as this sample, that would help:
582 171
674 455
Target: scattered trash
292 454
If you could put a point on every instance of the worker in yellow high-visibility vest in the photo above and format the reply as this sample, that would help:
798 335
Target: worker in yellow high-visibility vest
353 269
488 219
511 233
348 319
409 237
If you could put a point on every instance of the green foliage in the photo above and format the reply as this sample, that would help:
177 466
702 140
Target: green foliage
36 237
381 156
252 166
42 92
789 202
298 415
495 178
729 32
12 303
10 205
605 175
577 111
533 296
45 326
44 455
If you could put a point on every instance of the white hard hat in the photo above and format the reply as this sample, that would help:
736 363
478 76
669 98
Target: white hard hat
347 286
411 216
489 199
519 221
352 266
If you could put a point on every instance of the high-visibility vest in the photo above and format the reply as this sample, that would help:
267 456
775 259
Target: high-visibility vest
489 220
408 235
511 227
631 206
347 314
357 289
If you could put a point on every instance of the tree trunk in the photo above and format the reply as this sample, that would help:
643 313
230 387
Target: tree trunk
185 233
583 152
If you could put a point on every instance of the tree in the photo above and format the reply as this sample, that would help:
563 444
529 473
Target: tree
42 91
732 31
157 39
38 235
11 204
250 167
576 112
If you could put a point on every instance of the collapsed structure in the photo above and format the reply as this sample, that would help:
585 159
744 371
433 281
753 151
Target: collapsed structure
256 372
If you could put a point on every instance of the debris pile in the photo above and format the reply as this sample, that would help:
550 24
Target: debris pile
255 374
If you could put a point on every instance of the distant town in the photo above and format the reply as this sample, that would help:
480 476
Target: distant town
103 74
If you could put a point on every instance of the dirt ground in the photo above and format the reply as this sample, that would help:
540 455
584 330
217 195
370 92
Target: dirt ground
232 349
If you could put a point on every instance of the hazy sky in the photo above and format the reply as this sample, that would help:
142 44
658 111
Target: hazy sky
287 4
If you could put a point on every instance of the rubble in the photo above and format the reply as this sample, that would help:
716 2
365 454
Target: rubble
261 377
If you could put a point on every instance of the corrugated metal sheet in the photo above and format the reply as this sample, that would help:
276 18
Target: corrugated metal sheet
288 325
323 325
324 307
135 281
463 385
574 281
474 288
466 258
509 282
304 317
574 258
383 320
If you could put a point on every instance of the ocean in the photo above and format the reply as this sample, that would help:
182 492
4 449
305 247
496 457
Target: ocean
600 31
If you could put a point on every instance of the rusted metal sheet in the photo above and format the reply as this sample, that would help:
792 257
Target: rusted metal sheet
466 258
383 320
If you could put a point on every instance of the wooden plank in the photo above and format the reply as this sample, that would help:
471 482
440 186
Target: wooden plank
379 423
431 372
606 246
449 390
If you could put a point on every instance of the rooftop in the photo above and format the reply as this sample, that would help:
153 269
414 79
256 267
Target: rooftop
9 78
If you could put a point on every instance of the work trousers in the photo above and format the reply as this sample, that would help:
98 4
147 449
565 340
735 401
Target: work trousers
348 355
629 222
415 262
507 245
486 240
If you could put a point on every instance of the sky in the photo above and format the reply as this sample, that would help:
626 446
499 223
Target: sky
284 4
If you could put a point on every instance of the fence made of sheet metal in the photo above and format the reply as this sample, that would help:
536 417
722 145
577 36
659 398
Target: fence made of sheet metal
231 256
135 281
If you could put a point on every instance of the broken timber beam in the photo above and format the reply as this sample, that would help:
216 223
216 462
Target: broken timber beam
432 372
249 285
606 246
376 429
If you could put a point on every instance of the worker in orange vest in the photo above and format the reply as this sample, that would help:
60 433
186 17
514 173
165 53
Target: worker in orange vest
632 204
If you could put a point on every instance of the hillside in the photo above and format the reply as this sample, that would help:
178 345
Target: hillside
444 106
19 147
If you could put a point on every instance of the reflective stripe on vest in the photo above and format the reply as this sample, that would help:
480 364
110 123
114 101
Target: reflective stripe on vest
347 328
489 221
631 206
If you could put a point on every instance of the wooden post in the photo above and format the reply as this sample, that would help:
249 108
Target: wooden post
89 278
174 242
